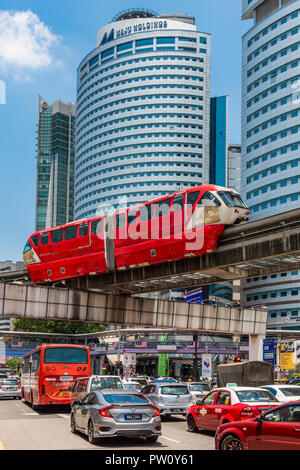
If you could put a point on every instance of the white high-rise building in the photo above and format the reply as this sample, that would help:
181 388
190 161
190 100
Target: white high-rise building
270 138
143 107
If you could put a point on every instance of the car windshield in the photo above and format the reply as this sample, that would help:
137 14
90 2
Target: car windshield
124 399
232 199
66 356
199 387
174 390
255 395
106 382
9 382
290 392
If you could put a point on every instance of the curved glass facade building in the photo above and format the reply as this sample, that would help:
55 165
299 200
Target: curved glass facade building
270 138
143 104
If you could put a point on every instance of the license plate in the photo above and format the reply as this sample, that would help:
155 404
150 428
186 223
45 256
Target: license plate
133 417
66 377
177 410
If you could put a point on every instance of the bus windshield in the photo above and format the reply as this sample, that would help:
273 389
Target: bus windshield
231 199
66 356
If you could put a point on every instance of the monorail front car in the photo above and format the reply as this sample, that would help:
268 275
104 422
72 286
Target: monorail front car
186 223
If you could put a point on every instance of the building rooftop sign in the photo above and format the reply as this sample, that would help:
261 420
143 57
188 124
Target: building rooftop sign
122 28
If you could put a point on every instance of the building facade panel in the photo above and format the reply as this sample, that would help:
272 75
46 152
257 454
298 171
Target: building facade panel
271 138
55 164
142 112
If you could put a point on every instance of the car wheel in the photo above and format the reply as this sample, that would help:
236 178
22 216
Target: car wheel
152 439
91 437
231 442
73 424
191 424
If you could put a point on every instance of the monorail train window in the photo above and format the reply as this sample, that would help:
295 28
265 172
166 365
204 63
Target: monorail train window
120 220
146 212
231 199
97 226
57 235
132 217
208 199
192 198
162 208
177 203
71 232
83 230
35 240
45 238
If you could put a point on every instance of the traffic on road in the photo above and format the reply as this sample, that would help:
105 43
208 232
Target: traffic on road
101 408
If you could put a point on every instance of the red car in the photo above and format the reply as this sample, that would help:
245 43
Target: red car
276 429
223 405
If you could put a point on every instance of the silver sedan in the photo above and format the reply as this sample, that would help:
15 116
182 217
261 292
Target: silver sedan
112 413
10 387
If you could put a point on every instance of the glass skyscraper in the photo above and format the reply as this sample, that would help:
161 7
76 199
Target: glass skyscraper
143 106
234 167
55 164
218 140
270 139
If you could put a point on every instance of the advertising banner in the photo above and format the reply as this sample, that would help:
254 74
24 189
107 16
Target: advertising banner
206 366
287 355
129 364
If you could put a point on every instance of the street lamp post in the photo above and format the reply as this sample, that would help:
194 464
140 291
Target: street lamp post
195 361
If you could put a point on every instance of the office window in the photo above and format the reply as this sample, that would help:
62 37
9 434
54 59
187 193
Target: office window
166 40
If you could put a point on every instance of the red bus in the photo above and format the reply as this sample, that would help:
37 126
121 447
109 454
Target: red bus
49 373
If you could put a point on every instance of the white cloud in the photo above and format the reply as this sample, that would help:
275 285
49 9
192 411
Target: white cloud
25 41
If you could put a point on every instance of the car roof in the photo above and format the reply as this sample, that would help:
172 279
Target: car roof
281 386
236 389
196 383
117 392
95 376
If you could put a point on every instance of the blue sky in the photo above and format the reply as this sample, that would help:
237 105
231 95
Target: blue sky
41 45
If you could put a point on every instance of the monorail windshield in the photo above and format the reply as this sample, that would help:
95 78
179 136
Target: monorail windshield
232 199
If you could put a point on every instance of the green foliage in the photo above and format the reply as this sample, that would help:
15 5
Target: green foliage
14 363
51 326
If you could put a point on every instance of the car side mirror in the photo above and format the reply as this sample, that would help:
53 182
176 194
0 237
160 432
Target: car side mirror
199 402
75 403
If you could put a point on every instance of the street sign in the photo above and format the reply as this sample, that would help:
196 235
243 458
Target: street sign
269 351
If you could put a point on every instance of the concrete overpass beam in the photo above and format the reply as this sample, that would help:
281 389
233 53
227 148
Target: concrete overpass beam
256 347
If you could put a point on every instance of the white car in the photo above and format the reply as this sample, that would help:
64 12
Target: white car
132 386
284 393
198 389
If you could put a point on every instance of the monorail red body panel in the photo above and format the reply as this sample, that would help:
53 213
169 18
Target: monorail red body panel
186 223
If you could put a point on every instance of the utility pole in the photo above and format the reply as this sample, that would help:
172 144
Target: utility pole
195 361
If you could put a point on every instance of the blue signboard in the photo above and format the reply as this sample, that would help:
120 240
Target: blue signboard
269 350
194 296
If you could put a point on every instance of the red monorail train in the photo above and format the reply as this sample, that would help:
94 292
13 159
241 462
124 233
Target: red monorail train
186 223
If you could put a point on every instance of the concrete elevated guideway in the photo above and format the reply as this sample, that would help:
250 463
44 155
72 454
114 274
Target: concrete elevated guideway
65 304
